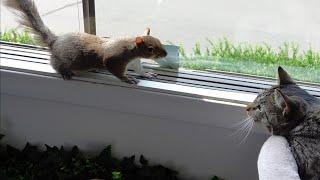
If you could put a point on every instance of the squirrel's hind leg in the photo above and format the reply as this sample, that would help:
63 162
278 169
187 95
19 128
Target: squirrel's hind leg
61 68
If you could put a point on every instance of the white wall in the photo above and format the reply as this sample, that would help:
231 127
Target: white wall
191 135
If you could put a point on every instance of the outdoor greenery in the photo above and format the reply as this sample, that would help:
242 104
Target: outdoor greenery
13 35
224 55
258 59
55 163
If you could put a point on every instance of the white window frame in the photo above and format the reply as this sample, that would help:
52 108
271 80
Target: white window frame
227 87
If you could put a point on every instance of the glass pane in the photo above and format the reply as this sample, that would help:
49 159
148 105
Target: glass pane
61 16
247 36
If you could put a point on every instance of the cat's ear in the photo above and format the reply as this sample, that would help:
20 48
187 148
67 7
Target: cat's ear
147 32
283 77
139 41
283 101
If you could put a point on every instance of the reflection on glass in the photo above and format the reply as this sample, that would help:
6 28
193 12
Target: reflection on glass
249 36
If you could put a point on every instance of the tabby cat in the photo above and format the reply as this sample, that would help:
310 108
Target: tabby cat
288 110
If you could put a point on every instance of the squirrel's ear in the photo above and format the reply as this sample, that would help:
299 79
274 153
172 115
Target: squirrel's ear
283 77
139 41
147 32
283 101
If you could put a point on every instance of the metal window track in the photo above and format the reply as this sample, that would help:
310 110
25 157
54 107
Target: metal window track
207 80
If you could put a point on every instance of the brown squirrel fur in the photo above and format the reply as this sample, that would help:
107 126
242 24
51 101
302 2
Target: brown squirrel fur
74 52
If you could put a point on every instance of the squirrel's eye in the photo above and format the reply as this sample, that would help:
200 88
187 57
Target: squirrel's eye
150 49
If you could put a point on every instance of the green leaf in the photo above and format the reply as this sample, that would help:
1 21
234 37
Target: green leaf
116 175
143 161
106 153
13 152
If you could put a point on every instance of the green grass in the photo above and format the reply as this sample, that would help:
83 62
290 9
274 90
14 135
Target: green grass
309 74
15 36
258 59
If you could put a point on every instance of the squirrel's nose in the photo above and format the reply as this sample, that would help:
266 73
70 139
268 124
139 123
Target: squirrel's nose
165 53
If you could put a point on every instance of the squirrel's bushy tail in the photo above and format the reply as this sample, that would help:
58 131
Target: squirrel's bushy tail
29 17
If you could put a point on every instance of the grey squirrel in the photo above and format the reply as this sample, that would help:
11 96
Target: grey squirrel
75 52
137 66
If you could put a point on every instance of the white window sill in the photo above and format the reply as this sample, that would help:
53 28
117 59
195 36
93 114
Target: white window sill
239 99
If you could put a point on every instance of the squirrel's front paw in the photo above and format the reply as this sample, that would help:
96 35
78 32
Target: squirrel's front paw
150 75
66 74
131 80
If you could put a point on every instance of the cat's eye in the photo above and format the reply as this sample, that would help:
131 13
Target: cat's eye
150 49
259 107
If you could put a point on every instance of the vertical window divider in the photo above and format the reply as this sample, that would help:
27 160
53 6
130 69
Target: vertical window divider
89 16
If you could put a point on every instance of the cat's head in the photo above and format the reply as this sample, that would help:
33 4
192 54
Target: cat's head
281 107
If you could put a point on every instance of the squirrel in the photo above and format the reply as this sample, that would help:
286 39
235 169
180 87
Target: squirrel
137 67
72 53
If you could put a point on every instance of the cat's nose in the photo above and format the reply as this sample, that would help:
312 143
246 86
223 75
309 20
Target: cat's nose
249 107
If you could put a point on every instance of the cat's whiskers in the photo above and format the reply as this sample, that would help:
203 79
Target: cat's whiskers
241 123
239 126
248 131
244 128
